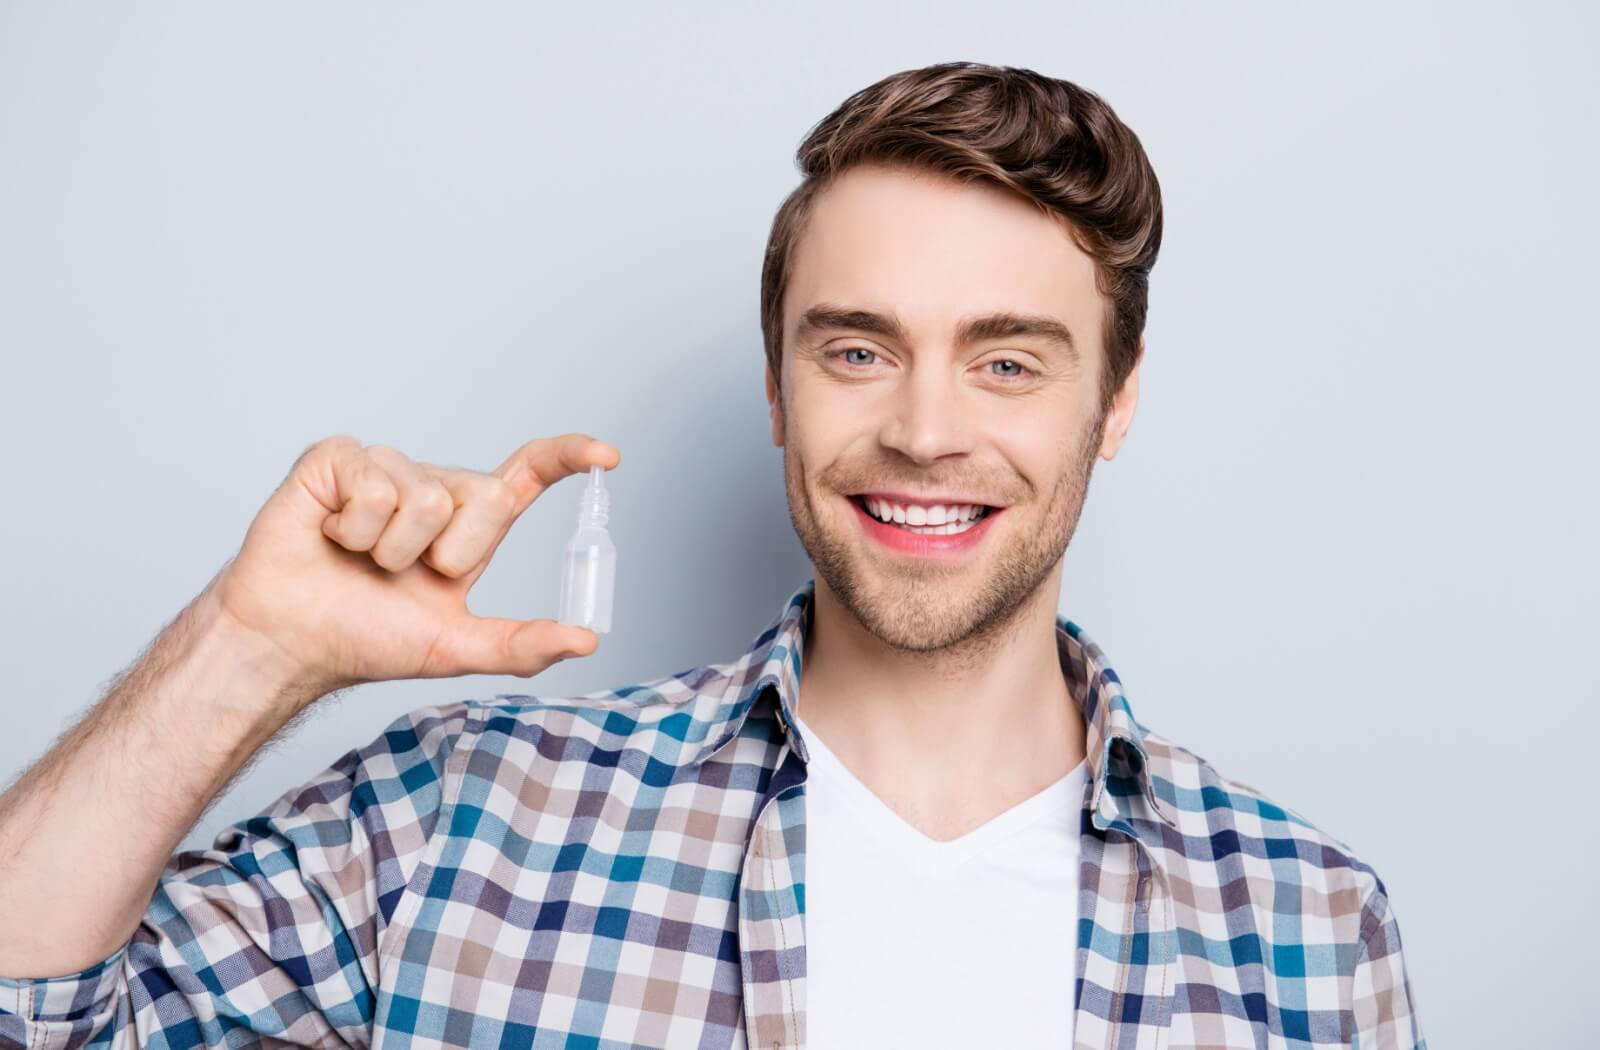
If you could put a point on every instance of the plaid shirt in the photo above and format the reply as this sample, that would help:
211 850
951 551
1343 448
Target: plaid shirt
627 868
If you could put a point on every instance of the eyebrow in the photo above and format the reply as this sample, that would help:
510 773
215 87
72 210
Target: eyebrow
830 317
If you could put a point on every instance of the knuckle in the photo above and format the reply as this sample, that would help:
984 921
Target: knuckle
325 445
376 492
500 495
436 500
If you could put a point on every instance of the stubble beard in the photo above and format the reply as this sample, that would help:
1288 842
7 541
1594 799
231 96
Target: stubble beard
921 608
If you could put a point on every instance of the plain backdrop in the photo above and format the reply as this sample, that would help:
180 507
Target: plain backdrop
1347 553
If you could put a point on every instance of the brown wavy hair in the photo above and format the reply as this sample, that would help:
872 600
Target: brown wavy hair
1050 141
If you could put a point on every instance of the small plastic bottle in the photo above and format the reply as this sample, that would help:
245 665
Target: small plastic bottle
589 570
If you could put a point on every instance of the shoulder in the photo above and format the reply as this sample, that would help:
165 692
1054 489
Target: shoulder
1265 851
1274 888
649 727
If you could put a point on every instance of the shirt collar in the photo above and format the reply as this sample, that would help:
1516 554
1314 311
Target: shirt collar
1124 792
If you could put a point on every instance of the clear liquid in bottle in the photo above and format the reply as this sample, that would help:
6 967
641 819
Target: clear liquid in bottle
589 565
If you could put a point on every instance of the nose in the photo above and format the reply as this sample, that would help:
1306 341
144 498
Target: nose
926 420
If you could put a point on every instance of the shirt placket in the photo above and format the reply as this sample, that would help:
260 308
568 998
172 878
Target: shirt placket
771 930
1132 893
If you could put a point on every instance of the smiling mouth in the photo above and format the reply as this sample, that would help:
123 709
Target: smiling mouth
946 529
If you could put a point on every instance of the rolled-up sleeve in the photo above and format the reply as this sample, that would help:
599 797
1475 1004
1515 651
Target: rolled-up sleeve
1383 1005
275 930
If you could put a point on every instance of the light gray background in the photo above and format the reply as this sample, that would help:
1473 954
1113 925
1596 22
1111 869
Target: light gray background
1346 554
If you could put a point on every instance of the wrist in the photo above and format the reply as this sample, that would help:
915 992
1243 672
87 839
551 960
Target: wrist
266 683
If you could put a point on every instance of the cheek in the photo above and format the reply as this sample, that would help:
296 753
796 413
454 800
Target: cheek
819 425
1032 445
1043 446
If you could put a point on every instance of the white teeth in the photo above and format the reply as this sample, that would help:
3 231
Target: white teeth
942 530
937 520
916 514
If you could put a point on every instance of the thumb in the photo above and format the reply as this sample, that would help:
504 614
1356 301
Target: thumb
495 645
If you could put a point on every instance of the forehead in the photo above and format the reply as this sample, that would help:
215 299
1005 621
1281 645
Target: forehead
932 250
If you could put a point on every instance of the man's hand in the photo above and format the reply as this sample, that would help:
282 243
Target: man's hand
357 568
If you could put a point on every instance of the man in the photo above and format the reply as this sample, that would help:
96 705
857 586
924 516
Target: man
917 811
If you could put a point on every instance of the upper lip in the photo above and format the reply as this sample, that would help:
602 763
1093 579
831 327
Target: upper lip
926 501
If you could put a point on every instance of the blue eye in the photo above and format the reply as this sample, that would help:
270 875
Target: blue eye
1022 372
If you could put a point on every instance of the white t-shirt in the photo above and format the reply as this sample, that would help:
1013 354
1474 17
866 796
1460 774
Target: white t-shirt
912 942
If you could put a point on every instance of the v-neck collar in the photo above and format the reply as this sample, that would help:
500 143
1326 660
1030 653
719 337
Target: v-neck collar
1064 797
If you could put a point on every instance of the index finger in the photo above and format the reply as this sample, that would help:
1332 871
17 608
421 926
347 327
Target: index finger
542 462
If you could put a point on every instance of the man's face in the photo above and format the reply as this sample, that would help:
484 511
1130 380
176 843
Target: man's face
903 405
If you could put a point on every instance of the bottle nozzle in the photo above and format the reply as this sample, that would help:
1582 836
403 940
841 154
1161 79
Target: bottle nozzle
594 505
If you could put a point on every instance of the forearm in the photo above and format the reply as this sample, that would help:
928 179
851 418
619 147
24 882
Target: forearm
87 831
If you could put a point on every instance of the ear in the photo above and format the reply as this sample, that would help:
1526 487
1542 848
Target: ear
775 409
1119 417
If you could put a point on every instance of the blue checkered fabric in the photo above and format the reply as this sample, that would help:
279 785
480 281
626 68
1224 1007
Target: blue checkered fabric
626 868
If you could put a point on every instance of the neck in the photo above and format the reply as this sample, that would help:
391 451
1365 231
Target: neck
951 738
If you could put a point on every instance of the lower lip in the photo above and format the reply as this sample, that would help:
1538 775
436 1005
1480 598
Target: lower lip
926 545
